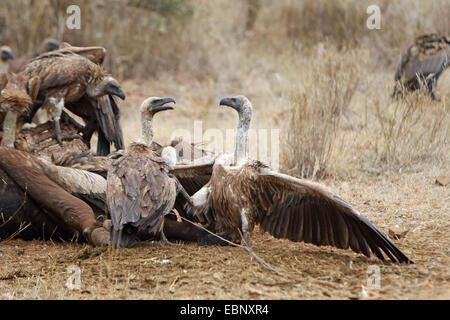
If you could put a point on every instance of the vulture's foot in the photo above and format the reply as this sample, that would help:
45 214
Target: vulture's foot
164 240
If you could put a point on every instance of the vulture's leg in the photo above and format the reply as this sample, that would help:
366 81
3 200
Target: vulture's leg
245 231
432 89
9 130
164 240
55 107
68 212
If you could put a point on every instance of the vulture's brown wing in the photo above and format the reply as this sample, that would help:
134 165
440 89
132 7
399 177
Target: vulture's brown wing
424 66
139 192
108 117
300 210
95 54
58 71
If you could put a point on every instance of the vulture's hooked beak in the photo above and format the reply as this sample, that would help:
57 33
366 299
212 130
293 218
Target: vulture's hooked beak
7 55
118 91
160 105
229 102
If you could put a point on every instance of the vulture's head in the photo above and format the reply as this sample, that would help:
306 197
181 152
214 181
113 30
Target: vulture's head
153 105
6 53
108 85
49 44
241 104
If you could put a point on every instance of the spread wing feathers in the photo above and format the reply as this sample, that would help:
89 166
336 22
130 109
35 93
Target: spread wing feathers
139 192
108 114
430 54
305 211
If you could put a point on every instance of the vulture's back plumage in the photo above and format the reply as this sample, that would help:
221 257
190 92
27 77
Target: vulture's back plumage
139 194
424 61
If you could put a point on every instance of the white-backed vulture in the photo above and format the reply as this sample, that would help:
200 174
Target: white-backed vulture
243 193
423 64
101 115
6 55
47 45
140 191
54 193
17 92
66 79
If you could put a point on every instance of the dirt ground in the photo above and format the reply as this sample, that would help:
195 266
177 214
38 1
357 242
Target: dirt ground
40 270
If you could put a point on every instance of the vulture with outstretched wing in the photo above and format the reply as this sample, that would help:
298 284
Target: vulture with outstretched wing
423 64
243 193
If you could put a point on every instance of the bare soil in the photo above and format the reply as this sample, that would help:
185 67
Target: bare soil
39 270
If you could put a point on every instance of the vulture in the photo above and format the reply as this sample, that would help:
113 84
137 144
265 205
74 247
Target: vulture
67 79
17 92
423 64
101 115
140 190
47 45
6 55
243 193
47 197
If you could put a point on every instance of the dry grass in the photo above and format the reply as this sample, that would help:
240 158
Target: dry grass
312 70
37 270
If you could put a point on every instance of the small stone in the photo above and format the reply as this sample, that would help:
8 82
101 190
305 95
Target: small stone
443 180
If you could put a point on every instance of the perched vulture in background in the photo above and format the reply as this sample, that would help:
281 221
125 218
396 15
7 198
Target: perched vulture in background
17 92
423 63
243 193
140 191
6 55
47 45
66 79
101 115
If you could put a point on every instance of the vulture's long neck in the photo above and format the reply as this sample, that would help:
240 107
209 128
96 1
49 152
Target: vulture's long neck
241 149
4 65
147 128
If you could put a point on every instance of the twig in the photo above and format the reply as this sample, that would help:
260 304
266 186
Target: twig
246 247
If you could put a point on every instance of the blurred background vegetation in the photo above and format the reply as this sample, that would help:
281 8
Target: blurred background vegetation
145 37
310 67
